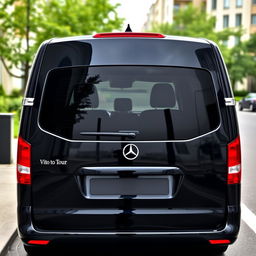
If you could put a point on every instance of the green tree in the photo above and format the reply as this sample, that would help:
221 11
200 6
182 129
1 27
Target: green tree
251 44
194 22
76 17
17 22
241 63
24 24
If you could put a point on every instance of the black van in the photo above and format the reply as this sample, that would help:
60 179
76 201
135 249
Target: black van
128 137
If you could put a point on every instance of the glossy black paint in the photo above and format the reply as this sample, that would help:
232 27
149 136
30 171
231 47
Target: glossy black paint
54 206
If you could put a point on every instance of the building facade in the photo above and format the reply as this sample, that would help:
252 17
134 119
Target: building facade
161 11
228 14
234 13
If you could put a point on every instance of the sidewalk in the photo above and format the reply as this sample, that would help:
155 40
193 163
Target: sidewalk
7 200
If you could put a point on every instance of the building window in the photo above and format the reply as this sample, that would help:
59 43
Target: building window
176 7
237 40
238 19
226 4
215 21
225 21
253 19
239 3
214 4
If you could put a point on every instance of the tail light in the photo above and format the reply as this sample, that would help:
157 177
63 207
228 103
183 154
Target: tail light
224 241
23 162
128 34
234 162
39 242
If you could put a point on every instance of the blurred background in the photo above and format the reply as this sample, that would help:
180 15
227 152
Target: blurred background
25 24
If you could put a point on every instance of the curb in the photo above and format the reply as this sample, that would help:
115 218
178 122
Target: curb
4 251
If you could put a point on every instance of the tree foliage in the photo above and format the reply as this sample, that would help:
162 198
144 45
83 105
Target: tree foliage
25 24
194 22
16 25
77 17
251 44
241 63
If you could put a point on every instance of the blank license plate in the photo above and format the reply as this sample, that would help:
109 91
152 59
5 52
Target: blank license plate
114 187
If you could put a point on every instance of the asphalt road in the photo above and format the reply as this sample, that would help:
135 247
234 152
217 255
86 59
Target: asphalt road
246 243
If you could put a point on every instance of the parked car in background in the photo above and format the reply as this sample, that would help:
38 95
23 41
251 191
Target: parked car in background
248 102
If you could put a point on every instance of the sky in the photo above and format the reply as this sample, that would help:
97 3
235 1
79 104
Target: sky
134 12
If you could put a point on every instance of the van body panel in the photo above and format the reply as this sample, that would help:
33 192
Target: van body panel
199 200
59 198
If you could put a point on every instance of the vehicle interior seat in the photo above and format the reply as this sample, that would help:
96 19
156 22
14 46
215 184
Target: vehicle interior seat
158 122
122 115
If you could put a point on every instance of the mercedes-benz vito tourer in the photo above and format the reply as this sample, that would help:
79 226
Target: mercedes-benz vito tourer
128 137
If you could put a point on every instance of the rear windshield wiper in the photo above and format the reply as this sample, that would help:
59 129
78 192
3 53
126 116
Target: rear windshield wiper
119 133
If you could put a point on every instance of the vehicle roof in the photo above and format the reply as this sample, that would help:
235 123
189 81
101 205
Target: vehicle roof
166 37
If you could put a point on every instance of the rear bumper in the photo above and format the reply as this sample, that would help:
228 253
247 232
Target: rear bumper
28 232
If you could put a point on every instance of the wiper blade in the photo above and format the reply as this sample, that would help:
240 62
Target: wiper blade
121 134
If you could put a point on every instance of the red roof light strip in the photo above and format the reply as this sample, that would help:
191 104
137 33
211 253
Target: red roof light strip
128 34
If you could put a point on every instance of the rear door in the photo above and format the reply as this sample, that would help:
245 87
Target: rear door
129 148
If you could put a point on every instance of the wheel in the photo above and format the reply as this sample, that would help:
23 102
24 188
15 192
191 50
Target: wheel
240 107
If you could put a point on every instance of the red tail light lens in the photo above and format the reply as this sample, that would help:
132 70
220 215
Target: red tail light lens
224 241
129 34
234 162
39 242
23 162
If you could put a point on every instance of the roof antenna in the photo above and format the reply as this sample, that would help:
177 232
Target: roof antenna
128 29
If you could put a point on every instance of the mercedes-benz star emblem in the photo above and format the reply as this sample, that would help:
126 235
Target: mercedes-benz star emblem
130 151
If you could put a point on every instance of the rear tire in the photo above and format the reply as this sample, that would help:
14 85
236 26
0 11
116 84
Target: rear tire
240 107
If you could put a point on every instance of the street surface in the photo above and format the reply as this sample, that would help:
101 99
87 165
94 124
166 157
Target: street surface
246 243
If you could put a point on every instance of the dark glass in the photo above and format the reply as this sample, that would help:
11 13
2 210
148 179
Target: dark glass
253 19
238 19
239 3
118 51
129 102
214 4
226 4
225 21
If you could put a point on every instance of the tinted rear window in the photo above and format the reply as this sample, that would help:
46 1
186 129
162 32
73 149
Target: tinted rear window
108 102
